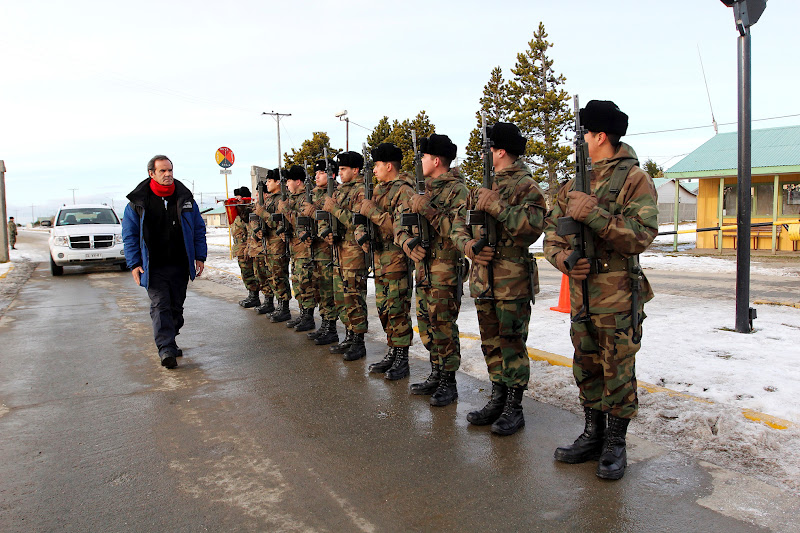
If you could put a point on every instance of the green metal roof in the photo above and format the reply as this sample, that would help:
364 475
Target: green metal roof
771 148
216 211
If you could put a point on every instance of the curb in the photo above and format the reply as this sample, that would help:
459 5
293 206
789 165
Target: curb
4 274
787 304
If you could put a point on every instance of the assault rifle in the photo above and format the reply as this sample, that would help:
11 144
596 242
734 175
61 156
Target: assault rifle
483 219
333 222
416 220
358 218
583 243
307 223
283 224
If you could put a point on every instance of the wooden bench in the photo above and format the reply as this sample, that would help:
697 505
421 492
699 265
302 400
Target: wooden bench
726 233
765 231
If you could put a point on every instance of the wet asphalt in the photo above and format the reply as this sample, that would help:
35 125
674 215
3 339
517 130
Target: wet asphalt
260 430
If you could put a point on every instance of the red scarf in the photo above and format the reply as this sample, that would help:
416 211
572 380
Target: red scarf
162 190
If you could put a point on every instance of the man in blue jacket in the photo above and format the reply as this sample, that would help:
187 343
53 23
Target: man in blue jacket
165 246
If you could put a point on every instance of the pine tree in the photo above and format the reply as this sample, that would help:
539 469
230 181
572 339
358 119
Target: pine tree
654 169
399 133
495 103
311 150
540 107
379 133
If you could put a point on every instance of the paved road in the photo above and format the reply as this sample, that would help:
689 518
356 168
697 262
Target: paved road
257 430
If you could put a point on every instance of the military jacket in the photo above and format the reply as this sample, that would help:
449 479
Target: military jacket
274 245
388 198
348 201
12 228
520 222
255 243
300 250
448 194
617 236
322 250
239 235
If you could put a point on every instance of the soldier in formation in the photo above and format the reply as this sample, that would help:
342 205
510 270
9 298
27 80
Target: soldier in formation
240 235
302 284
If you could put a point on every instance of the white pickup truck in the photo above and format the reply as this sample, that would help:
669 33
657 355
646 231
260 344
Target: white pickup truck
85 234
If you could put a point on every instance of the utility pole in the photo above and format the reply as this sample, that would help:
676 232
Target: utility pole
73 195
277 117
4 258
33 218
342 116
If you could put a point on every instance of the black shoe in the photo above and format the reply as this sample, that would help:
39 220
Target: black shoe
614 458
329 335
511 420
589 445
492 410
178 353
252 300
344 345
399 368
446 393
267 307
168 360
307 322
323 325
293 322
384 364
357 350
430 384
282 313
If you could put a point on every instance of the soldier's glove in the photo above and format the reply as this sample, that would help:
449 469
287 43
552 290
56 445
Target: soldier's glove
308 209
367 207
580 205
329 238
330 203
420 203
483 257
579 272
489 201
417 254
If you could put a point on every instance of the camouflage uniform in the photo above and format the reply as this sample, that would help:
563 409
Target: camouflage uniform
350 277
504 306
322 273
240 234
391 266
302 286
604 358
277 263
437 302
12 233
255 250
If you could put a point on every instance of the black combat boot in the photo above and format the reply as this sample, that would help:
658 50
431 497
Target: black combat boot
296 320
399 368
329 335
282 313
588 446
323 324
384 364
614 457
511 420
344 345
267 307
307 322
252 300
492 410
430 384
446 393
357 350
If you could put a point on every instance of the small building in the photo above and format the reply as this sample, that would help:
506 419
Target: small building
775 186
687 200
216 218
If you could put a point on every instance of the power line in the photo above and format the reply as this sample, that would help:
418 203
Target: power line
709 125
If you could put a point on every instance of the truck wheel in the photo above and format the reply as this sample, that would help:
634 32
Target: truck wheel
55 269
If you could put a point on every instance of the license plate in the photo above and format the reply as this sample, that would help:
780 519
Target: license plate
93 256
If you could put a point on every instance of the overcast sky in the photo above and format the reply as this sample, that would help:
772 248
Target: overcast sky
90 91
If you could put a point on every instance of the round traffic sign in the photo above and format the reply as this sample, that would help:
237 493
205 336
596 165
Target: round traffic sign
224 157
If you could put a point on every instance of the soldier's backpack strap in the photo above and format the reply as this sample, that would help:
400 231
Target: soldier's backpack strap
618 177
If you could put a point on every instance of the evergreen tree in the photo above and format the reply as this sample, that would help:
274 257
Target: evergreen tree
311 150
379 133
540 107
399 133
494 103
654 169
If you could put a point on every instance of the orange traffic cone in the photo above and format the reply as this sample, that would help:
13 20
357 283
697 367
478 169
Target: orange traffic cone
563 296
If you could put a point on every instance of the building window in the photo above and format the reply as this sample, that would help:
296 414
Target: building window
790 201
764 197
729 200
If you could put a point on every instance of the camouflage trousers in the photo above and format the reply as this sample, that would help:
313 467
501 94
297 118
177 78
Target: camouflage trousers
604 363
248 273
262 275
504 333
322 280
12 239
350 293
303 283
393 300
278 269
437 312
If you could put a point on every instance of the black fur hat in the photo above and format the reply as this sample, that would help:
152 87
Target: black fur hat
244 192
387 152
319 164
506 136
296 173
272 174
351 159
605 116
440 145
236 192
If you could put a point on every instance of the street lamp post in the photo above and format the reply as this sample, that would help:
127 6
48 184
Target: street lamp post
342 115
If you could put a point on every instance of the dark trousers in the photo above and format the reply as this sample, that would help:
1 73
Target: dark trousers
167 292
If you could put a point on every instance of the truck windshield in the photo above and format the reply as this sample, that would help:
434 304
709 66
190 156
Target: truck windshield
87 215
